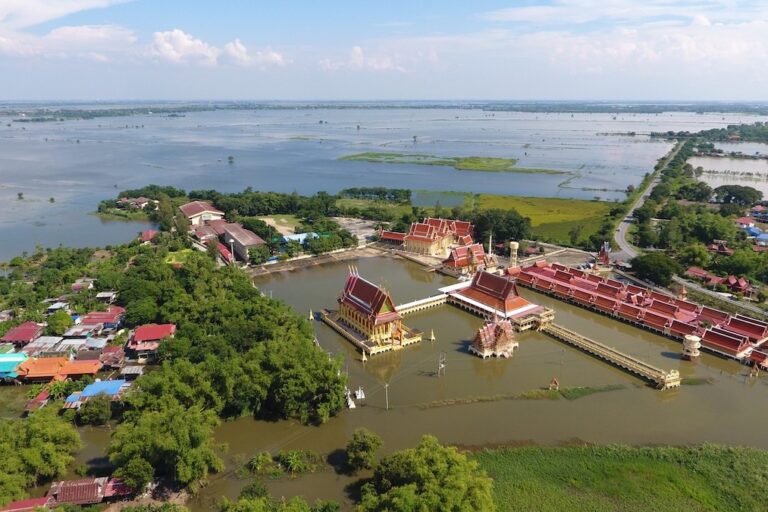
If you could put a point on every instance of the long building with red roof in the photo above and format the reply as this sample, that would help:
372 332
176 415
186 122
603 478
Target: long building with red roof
23 334
734 336
146 339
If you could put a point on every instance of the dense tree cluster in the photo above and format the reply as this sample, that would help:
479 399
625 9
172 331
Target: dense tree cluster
656 267
395 195
36 449
428 477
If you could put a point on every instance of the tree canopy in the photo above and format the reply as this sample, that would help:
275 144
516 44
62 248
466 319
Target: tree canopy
428 477
656 267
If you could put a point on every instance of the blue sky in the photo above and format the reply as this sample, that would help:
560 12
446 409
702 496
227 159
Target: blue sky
238 49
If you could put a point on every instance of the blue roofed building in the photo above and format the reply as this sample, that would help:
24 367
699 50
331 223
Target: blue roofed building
762 239
111 388
9 362
753 231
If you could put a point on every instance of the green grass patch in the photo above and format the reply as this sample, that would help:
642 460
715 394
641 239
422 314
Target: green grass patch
397 209
552 218
178 256
580 392
119 214
620 478
461 163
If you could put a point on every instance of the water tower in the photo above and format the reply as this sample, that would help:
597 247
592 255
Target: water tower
691 346
513 248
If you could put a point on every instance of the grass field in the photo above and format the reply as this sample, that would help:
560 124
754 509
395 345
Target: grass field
617 478
461 163
552 218
178 256
284 224
398 209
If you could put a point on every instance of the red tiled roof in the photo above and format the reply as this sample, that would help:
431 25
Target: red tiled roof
112 315
78 492
80 367
496 292
224 252
465 255
28 505
198 207
148 235
392 236
745 220
153 332
40 368
369 299
23 334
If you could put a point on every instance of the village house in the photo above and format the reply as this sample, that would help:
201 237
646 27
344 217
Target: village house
83 284
136 203
42 345
86 491
198 212
8 364
146 236
112 358
23 334
745 222
107 297
56 307
720 247
146 339
110 319
241 240
113 389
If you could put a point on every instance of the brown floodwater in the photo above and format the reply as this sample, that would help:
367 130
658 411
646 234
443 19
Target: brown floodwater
729 410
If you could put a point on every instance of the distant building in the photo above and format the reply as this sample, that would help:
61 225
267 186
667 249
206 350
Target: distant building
432 237
198 212
241 240
494 339
137 203
83 284
720 247
8 364
745 222
110 319
113 389
148 235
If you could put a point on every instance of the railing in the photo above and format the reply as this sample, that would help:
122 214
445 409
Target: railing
662 379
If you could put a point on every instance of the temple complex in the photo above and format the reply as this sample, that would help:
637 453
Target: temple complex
494 339
432 237
367 317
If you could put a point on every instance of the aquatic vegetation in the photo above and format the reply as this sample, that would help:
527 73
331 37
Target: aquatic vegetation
461 163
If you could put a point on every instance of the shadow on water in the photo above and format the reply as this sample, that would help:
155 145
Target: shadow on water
339 461
672 355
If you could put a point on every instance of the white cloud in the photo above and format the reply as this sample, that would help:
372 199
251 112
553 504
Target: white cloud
358 60
236 53
179 47
16 14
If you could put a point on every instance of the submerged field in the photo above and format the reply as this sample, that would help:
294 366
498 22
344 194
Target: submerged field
620 478
461 163
552 218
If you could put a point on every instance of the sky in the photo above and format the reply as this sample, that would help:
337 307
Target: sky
685 50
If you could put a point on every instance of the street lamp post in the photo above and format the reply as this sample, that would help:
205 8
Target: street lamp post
232 249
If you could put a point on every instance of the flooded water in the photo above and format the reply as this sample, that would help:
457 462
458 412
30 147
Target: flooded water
748 148
78 163
735 171
729 410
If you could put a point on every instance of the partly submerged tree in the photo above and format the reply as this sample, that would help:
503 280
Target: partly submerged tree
362 448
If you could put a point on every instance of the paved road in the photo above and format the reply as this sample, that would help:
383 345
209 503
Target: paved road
741 304
627 251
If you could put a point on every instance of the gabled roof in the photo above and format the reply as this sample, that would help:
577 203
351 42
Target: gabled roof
22 334
28 505
369 299
465 255
495 292
199 207
79 492
153 332
45 367
148 235
242 236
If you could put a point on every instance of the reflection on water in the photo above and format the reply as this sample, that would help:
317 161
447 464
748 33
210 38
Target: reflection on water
740 171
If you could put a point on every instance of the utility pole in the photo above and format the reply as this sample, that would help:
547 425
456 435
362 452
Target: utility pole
386 393
441 364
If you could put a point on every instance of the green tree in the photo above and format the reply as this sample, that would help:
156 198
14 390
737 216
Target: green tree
58 323
655 267
34 450
362 448
258 254
136 473
254 489
428 477
96 411
695 255
175 441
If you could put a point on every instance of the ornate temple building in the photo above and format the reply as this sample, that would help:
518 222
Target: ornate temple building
367 317
468 259
432 237
494 339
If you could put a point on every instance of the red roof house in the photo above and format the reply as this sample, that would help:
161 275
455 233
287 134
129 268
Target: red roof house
148 235
28 505
745 222
23 334
146 339
199 212
495 294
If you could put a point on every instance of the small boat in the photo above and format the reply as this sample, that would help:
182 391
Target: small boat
360 394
